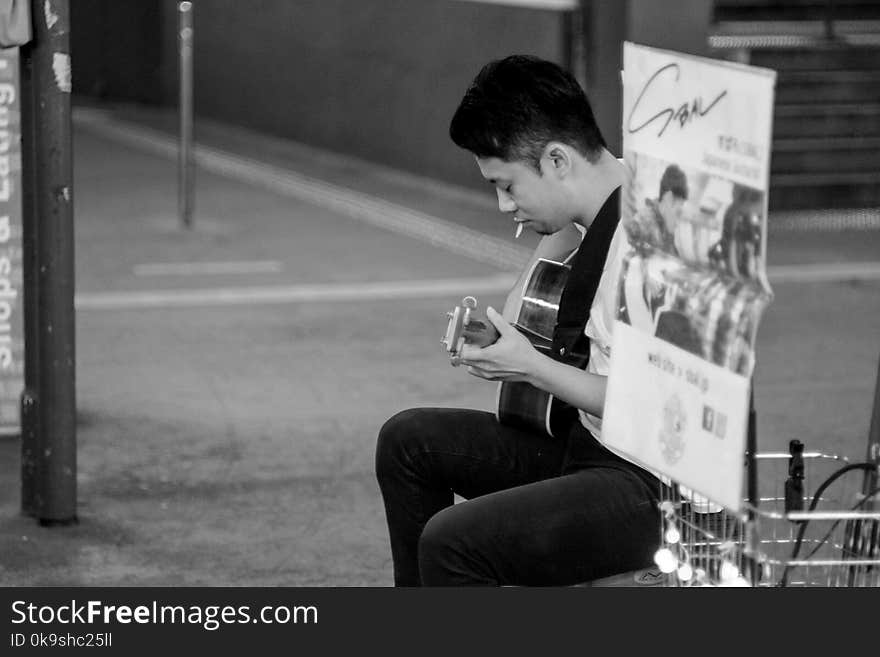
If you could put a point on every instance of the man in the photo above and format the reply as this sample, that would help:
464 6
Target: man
538 510
657 225
653 233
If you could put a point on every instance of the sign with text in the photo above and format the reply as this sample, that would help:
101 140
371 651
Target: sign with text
693 286
11 322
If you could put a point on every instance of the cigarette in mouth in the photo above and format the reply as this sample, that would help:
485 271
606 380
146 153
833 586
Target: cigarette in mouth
518 231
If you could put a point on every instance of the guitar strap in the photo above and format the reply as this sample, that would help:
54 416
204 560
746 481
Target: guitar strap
570 345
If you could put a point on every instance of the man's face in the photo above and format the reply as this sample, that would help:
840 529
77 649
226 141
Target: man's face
533 199
671 208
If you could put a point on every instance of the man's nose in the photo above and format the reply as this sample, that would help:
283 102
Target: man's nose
505 201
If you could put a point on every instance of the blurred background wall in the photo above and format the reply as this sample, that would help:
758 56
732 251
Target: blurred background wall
118 49
377 79
380 79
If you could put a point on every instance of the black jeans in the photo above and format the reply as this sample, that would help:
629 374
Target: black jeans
539 510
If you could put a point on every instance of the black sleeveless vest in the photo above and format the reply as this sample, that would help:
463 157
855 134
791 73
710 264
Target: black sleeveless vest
570 345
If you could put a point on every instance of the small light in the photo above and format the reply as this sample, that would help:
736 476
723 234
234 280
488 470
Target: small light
665 560
729 571
672 535
741 582
685 572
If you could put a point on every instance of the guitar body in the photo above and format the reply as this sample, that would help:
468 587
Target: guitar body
521 404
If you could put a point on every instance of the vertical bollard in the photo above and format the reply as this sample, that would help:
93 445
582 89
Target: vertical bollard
53 198
185 164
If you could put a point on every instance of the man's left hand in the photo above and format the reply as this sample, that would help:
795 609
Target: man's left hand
511 358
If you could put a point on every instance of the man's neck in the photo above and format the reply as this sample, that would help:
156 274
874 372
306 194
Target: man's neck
598 182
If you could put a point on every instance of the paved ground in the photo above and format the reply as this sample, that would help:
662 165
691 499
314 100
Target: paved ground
231 443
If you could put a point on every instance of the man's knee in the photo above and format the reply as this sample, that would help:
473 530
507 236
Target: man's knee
447 556
438 547
392 440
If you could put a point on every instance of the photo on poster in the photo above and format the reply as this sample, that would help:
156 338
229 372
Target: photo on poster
694 276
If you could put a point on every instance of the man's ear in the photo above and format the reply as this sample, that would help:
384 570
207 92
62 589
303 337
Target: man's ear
558 158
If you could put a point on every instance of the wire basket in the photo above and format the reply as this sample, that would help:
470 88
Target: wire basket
816 523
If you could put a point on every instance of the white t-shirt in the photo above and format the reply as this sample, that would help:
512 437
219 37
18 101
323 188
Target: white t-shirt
603 313
599 329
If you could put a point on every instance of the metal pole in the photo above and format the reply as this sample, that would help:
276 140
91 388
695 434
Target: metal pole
753 571
185 161
861 541
31 436
829 20
574 47
873 454
53 202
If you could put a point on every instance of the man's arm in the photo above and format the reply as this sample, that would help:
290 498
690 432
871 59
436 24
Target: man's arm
557 247
573 385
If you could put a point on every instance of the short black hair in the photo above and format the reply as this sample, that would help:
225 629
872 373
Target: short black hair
517 105
674 180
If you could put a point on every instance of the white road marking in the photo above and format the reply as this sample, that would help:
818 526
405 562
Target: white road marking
822 273
208 268
338 292
824 220
559 5
329 293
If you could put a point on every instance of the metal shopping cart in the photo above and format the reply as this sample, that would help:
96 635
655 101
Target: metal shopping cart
809 519
816 522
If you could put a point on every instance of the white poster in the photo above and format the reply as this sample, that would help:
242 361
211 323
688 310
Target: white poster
696 141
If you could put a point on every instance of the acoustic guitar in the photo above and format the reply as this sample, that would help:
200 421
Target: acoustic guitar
518 403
